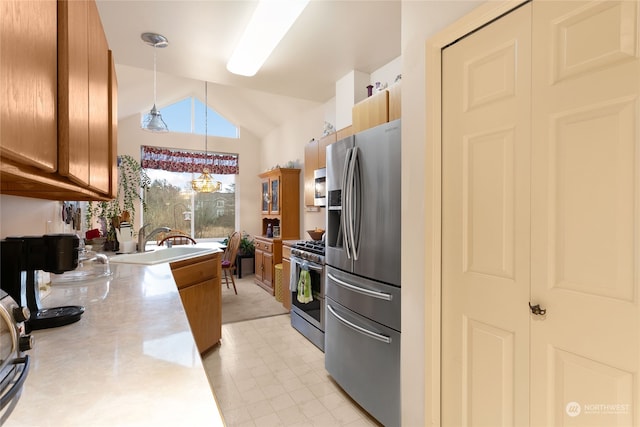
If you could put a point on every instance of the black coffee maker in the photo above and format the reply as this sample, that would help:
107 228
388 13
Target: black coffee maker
22 257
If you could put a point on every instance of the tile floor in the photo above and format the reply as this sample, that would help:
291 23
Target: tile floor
265 373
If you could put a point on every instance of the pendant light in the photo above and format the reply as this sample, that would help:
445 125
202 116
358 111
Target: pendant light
204 183
153 121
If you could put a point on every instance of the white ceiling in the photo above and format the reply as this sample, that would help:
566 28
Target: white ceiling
331 38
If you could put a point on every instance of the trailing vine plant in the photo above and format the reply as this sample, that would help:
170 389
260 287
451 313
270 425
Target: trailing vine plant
132 180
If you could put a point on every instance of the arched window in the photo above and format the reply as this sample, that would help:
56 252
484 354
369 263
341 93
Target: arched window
187 116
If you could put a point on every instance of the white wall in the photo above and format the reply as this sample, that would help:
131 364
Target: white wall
387 74
420 20
287 143
131 137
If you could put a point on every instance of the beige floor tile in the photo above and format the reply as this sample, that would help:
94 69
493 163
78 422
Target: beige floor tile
265 373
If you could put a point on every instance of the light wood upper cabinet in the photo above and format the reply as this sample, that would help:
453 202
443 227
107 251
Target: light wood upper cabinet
324 142
395 109
83 61
379 108
58 124
113 127
73 90
344 132
28 84
99 67
280 193
310 165
370 112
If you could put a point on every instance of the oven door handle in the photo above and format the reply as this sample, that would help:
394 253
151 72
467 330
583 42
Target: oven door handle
17 386
376 336
368 292
300 262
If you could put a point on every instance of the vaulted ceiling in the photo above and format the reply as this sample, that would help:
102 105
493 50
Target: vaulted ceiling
331 38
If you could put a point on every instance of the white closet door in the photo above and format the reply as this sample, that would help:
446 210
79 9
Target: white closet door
485 225
586 213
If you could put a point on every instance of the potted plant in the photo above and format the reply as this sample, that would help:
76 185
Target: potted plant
247 248
132 179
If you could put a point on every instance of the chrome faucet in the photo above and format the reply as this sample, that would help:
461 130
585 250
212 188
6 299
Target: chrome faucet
143 238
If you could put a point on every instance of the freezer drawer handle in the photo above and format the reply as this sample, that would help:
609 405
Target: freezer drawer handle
367 292
385 339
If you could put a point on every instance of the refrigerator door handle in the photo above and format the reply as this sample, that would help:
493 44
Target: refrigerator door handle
385 339
351 185
355 201
344 217
368 292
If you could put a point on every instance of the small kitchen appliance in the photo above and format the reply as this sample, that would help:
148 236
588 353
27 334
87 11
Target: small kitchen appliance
22 257
14 364
320 187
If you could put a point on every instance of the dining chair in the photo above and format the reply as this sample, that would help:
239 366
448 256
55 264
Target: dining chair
229 259
175 237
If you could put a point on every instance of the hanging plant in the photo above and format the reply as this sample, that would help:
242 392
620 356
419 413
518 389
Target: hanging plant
132 180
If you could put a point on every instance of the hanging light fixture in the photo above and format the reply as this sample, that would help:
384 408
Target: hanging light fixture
153 120
204 183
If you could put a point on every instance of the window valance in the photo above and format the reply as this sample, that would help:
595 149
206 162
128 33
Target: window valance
174 160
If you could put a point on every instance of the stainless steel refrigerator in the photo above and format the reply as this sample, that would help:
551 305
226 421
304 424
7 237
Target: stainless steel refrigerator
362 254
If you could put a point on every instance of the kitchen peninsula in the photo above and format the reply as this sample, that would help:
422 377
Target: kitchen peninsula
130 360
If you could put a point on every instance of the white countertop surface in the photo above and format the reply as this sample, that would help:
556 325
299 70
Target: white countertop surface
130 361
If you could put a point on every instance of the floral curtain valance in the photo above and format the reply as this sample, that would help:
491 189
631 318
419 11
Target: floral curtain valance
174 160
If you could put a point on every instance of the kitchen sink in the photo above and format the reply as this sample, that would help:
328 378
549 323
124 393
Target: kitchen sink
161 255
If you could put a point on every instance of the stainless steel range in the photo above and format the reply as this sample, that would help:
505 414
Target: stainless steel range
307 316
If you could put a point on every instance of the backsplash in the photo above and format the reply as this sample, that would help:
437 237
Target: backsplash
22 216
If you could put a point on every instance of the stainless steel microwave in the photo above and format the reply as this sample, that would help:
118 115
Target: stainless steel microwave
320 187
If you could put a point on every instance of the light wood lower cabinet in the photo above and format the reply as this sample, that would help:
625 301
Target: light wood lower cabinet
198 281
268 253
286 275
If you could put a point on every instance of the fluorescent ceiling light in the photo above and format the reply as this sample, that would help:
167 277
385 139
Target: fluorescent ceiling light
270 22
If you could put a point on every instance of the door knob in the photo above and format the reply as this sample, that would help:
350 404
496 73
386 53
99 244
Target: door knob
535 309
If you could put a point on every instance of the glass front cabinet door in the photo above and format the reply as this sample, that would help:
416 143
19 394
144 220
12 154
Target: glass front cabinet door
266 198
275 196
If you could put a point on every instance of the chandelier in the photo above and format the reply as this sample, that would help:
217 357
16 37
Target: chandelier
153 120
204 183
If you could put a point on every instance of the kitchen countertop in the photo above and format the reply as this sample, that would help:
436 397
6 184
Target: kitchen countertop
130 360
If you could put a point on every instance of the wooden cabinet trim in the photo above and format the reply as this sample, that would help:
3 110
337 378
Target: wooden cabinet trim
53 155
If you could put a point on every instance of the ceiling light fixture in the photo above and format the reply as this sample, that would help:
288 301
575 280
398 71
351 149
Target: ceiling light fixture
204 183
153 121
270 22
